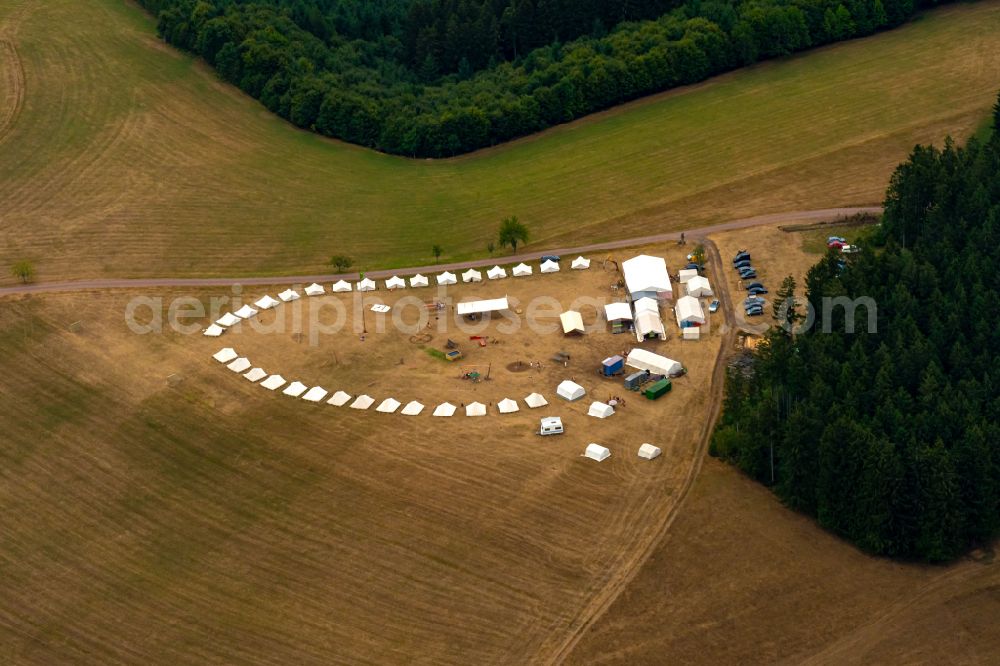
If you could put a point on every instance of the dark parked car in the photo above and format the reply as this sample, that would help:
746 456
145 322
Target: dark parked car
742 263
692 265
747 273
754 284
753 291
550 257
755 311
742 254
713 306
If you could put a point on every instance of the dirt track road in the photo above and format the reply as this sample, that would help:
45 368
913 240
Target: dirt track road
125 283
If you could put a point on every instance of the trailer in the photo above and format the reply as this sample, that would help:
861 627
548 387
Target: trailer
636 379
613 365
658 389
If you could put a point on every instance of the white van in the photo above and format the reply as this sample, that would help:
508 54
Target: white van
551 425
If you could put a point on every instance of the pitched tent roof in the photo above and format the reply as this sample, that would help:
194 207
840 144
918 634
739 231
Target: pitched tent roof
648 451
240 365
289 295
647 323
367 284
642 359
472 275
266 302
597 452
699 286
388 406
418 280
363 402
580 263
255 375
688 309
475 409
536 400
228 319
446 278
570 390
616 311
496 273
572 322
214 331
444 409
314 289
479 307
550 266
341 286
273 382
686 274
245 312
315 394
339 399
412 408
521 270
647 304
295 389
225 355
507 406
601 410
646 273
395 282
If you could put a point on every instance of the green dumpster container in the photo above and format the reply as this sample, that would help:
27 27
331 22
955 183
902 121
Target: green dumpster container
656 389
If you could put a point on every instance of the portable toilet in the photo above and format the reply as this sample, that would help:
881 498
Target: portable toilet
612 365
657 389
635 380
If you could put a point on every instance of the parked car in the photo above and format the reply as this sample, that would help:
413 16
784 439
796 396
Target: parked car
741 254
753 291
742 263
550 257
692 265
754 284
850 249
748 272
713 306
755 311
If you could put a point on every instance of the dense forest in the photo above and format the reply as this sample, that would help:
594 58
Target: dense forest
892 439
433 78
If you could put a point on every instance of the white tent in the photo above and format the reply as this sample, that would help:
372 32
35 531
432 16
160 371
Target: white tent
521 270
572 322
536 400
507 406
388 406
363 402
580 263
649 323
341 286
412 408
496 273
255 375
648 451
699 287
444 409
214 331
689 311
241 364
395 282
314 289
289 295
475 409
228 319
685 274
618 311
295 389
481 307
446 278
640 359
266 303
597 452
647 276
418 280
273 382
570 390
367 284
315 394
601 410
339 399
472 275
245 312
550 266
225 355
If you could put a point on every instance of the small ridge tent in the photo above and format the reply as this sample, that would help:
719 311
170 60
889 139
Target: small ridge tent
395 282
647 276
580 263
314 289
418 280
388 406
648 451
340 286
572 322
570 390
536 400
295 389
444 409
289 295
689 311
315 394
446 278
245 312
363 402
618 312
699 287
228 319
686 274
496 273
214 331
266 302
472 275
597 452
339 399
600 410
641 359
255 375
367 284
273 382
550 266
225 355
507 406
521 270
240 365
412 408
475 409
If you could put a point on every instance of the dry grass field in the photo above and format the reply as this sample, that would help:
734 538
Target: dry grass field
121 157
